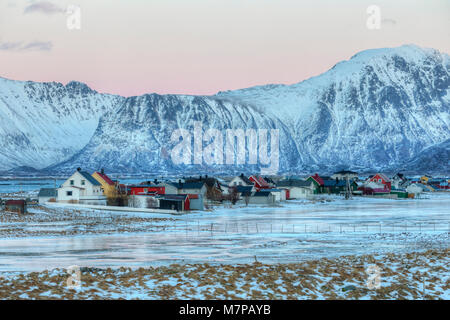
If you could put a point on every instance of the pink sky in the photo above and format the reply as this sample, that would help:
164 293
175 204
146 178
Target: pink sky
203 46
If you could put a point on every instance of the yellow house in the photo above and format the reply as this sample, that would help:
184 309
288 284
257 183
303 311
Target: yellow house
424 179
108 186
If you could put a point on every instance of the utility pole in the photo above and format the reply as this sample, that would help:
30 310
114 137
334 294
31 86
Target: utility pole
348 191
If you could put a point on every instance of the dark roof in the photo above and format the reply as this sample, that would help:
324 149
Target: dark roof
48 192
15 202
245 179
174 196
400 175
293 183
334 183
210 182
269 180
244 188
188 185
261 194
89 178
346 172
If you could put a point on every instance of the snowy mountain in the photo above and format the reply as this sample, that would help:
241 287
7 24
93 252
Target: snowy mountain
434 159
136 137
377 110
45 123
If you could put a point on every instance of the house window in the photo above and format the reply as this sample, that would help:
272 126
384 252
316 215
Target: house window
72 182
69 193
379 180
83 182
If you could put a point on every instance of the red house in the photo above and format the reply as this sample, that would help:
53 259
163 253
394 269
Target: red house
144 189
259 182
383 179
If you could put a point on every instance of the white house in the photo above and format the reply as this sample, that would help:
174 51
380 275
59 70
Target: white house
296 189
240 181
81 188
399 181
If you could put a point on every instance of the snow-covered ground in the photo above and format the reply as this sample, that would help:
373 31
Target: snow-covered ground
294 232
424 275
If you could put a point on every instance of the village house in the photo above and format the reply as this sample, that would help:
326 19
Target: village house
225 188
145 189
336 186
345 174
381 179
261 198
318 184
81 188
244 191
270 182
188 188
399 181
296 189
425 178
214 190
108 186
240 181
47 194
259 182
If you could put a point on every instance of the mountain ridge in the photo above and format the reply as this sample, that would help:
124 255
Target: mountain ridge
376 110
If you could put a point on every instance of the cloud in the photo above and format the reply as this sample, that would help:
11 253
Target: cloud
30 46
9 46
45 7
38 45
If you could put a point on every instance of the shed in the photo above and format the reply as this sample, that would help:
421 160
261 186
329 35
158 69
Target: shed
47 194
19 206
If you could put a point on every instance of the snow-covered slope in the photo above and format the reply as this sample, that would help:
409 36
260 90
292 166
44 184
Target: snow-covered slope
378 108
434 159
45 123
136 138
374 111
